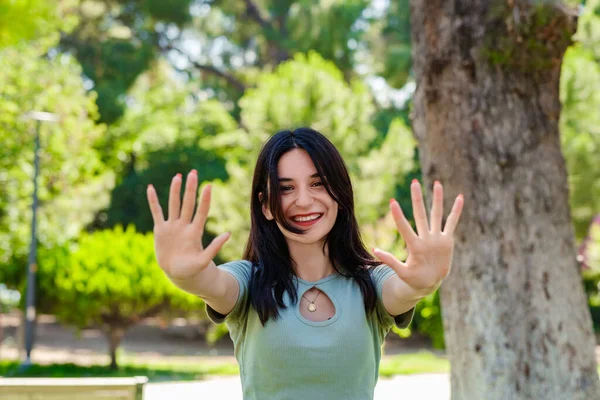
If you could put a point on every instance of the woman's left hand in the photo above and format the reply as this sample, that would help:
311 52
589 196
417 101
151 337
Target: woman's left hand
429 251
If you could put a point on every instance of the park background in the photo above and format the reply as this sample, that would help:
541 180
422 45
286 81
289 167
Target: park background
143 90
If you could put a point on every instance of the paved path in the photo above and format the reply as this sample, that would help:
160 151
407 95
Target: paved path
420 386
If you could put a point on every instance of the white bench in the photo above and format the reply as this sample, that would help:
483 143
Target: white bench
72 388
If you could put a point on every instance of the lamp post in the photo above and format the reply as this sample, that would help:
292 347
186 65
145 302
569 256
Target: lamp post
39 117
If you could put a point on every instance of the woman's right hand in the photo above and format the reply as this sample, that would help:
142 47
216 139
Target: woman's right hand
178 240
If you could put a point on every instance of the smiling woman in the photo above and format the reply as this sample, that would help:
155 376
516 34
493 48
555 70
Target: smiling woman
304 202
308 307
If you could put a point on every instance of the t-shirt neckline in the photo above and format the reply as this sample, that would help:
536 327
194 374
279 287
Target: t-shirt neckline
334 275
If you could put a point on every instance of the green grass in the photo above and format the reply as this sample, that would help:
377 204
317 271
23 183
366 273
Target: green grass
404 364
154 372
421 362
414 363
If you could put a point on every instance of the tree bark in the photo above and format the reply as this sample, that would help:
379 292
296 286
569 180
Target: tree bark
486 113
114 335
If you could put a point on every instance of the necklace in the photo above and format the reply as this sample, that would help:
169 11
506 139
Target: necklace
312 307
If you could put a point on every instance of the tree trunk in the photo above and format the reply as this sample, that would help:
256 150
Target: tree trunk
114 336
486 113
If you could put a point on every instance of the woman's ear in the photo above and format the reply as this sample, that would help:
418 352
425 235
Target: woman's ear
265 208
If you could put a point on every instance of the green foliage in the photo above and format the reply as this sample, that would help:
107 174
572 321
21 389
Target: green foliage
122 62
165 130
129 204
163 112
389 43
72 181
333 28
590 257
232 39
28 20
109 278
172 11
327 28
588 32
427 321
116 41
580 119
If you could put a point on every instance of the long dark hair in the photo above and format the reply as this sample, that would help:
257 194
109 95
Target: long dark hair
267 249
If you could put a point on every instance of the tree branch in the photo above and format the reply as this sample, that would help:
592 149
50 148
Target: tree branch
254 12
277 52
232 80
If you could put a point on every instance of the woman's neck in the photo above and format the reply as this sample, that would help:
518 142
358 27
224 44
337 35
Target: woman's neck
311 264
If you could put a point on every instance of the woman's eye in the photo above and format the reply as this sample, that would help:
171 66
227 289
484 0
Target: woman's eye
288 188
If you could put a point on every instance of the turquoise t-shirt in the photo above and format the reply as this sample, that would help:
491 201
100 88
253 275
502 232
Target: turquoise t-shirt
294 358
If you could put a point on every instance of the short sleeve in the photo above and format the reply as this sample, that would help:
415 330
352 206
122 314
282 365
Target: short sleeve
380 274
241 270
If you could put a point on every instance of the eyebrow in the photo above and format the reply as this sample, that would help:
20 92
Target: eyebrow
315 175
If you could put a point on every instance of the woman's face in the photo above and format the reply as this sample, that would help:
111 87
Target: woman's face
304 199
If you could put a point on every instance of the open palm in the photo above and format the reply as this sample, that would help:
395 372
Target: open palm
178 239
430 249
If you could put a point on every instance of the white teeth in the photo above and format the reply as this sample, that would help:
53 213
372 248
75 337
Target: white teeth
309 218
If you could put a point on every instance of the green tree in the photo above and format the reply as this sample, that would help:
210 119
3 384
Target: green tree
226 44
166 129
116 40
486 115
89 285
72 180
387 44
580 118
589 256
29 20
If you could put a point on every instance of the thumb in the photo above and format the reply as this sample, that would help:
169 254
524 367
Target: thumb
391 261
216 244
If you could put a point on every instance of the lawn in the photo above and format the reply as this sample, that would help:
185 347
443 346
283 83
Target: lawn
421 362
405 364
154 372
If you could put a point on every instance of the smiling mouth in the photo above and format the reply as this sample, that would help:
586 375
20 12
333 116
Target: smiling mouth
308 220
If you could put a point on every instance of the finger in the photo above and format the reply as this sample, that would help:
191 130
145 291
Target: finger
189 196
437 208
454 216
214 246
419 208
406 231
174 198
155 209
203 207
391 261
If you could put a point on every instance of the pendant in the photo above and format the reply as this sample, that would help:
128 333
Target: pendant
312 307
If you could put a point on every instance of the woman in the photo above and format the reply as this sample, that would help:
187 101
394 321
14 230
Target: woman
308 307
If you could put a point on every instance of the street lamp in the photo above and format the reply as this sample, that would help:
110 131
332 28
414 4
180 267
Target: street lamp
40 117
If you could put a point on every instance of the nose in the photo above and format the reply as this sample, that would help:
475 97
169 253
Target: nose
304 198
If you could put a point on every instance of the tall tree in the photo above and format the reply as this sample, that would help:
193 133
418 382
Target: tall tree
87 286
225 43
72 179
486 114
